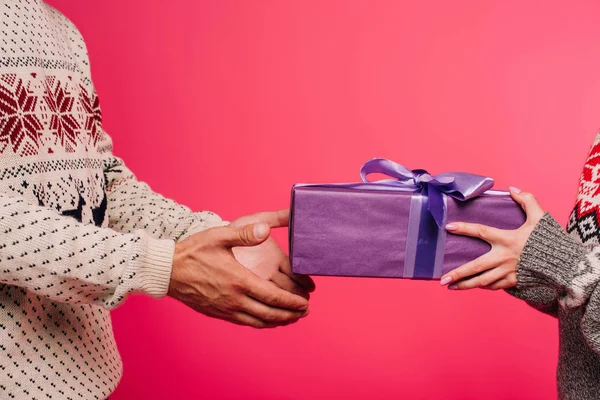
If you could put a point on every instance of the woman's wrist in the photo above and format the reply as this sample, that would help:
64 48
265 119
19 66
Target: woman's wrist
550 256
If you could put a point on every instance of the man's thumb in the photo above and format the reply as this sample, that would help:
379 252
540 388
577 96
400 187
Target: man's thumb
248 235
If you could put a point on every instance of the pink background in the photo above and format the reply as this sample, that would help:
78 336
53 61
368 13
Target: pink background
224 104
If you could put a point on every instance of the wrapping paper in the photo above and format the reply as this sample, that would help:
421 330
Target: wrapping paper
389 229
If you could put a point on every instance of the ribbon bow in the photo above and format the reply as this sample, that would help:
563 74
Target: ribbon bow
459 185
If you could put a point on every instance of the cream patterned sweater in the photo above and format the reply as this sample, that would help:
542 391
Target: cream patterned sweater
79 232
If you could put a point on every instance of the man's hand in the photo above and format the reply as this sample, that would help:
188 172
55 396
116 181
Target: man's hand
267 260
207 278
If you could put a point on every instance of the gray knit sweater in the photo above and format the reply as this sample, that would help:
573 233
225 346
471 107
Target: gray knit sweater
559 275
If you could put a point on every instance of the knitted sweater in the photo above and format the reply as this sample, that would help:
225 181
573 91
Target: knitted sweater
78 232
559 273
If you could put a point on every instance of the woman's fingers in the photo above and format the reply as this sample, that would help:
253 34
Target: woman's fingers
496 269
483 232
529 203
477 266
485 279
504 283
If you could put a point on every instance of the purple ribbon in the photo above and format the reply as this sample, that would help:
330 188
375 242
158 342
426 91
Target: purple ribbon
426 236
459 185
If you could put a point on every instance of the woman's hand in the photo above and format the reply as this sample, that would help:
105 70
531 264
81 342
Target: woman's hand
496 269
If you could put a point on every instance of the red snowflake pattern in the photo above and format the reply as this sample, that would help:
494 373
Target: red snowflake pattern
63 124
584 219
93 119
589 185
20 128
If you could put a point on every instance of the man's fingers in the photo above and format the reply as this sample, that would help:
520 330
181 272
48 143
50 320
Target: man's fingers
275 219
529 203
266 292
303 280
241 318
487 233
477 266
247 235
270 314
285 282
256 315
483 280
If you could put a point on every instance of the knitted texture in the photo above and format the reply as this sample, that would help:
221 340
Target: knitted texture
558 273
583 222
79 232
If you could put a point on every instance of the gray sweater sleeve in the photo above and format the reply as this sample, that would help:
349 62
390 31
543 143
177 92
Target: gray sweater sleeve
554 261
544 299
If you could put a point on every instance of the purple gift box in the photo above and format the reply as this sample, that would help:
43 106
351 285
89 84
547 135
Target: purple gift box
394 228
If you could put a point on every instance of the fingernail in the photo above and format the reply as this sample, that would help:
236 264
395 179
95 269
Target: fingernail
304 307
305 313
452 287
446 280
261 231
451 227
514 189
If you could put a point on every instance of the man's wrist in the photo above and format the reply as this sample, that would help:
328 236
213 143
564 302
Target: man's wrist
154 266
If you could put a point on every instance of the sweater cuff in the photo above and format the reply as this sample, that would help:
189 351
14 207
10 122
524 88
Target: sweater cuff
550 256
154 267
